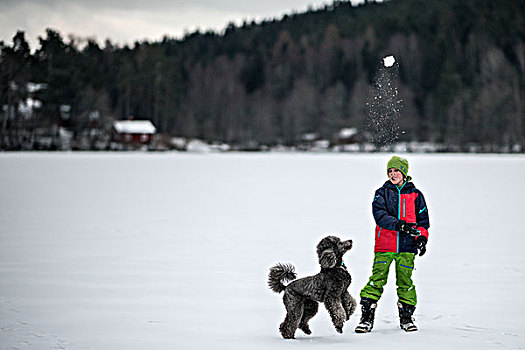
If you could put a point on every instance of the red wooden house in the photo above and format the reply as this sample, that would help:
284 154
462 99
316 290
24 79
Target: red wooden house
133 132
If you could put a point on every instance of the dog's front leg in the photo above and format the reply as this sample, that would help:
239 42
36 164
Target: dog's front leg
349 304
337 313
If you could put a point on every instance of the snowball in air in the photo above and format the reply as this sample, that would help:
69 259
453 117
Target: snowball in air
389 61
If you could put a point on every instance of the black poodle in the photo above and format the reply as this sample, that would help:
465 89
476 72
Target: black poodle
301 297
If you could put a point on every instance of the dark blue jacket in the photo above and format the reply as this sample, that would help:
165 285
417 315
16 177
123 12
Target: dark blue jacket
392 204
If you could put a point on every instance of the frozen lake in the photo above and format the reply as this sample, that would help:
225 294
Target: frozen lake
172 251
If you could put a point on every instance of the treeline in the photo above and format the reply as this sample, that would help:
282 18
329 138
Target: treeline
460 76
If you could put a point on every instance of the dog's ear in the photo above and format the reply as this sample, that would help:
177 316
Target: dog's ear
327 259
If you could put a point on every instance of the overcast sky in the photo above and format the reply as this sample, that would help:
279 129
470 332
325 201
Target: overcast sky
125 21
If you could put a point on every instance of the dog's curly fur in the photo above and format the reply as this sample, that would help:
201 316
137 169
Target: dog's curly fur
302 297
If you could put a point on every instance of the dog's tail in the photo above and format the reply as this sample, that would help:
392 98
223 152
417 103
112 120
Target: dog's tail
278 274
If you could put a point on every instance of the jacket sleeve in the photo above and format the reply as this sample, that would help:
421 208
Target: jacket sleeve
422 219
381 216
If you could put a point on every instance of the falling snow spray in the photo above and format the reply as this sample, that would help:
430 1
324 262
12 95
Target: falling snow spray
384 105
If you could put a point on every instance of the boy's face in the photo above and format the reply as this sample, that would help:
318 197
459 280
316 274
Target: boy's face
395 176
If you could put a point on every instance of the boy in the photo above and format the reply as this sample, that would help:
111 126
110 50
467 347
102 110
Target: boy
401 215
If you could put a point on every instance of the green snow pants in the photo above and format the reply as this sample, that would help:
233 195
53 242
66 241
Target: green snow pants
406 291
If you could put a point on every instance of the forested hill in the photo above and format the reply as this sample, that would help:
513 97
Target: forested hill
461 75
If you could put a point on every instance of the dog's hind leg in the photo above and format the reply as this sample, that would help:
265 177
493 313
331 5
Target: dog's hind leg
337 313
294 312
310 309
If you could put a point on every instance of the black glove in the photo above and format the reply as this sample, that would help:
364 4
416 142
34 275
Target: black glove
407 228
422 245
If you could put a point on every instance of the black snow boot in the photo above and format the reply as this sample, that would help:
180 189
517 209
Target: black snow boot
368 309
405 316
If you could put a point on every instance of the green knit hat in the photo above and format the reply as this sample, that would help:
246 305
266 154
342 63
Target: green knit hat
401 164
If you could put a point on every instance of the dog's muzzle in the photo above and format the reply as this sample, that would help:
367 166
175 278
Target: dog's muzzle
347 245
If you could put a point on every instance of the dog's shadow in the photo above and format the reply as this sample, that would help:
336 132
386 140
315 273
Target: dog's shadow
328 339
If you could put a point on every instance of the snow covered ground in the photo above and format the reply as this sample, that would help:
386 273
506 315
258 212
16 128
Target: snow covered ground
171 251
